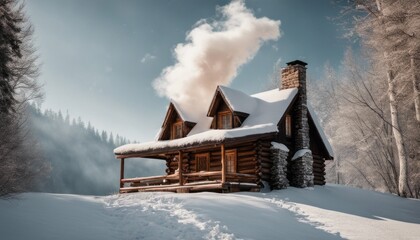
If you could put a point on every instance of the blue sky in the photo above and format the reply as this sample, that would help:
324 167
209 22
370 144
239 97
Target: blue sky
99 58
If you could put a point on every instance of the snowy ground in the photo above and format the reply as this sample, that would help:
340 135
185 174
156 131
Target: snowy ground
330 212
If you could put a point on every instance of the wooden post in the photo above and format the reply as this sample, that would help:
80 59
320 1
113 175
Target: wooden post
223 163
121 172
181 180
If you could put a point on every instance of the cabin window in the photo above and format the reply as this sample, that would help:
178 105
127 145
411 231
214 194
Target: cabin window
202 162
288 125
230 156
177 130
224 120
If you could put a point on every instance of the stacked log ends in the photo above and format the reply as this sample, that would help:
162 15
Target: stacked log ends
319 171
169 169
258 163
279 168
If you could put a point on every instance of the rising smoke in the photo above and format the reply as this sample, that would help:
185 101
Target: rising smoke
212 55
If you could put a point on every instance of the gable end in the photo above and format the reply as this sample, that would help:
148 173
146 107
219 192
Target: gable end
220 104
173 117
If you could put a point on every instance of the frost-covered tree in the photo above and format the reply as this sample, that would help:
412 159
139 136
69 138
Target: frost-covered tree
354 107
19 161
389 31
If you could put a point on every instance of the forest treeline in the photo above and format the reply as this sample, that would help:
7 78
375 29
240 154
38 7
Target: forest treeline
80 158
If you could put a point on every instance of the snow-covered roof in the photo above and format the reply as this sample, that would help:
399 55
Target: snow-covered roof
238 101
317 123
209 136
265 110
183 113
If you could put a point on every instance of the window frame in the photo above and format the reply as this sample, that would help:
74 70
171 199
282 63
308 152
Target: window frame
200 155
174 130
220 116
288 125
235 160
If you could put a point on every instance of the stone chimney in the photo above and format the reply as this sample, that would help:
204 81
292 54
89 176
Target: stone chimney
294 75
300 169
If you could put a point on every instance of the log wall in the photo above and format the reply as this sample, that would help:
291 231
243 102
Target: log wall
172 163
319 170
252 158
265 163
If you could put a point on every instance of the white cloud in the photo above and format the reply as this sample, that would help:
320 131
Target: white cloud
212 55
147 57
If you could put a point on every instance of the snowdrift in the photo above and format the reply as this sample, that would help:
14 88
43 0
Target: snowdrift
325 212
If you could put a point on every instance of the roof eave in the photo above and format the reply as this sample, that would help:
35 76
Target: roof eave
155 153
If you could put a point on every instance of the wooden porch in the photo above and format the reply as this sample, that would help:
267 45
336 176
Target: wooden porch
180 181
191 182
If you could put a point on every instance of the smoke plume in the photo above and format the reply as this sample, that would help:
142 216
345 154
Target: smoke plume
212 54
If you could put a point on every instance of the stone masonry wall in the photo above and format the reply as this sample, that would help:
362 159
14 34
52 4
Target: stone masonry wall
294 76
302 171
279 169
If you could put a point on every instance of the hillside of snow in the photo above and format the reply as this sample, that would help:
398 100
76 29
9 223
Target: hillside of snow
329 212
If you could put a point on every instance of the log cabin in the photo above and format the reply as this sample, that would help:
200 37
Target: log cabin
271 139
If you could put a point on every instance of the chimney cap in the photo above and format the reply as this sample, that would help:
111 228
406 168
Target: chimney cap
296 62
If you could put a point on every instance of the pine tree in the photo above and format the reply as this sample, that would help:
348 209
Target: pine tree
10 49
60 116
67 119
104 136
19 162
111 139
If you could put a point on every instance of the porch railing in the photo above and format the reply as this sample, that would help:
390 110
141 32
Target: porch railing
188 179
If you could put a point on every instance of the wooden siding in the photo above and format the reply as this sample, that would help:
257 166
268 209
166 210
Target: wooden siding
281 136
319 170
249 158
172 117
264 162
220 107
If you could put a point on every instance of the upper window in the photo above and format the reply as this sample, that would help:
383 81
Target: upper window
202 162
224 120
288 125
231 161
176 130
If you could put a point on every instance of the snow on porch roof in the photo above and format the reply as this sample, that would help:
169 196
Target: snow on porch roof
210 136
264 114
